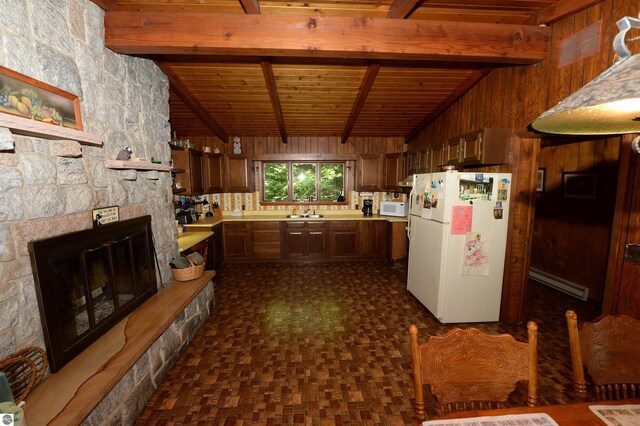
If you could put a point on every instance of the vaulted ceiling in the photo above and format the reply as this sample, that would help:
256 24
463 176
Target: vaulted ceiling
331 68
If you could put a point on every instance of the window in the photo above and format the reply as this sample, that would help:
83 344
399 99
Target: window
303 181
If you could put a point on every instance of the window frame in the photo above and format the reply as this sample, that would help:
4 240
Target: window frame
348 181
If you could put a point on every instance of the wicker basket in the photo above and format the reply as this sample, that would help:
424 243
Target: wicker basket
188 274
25 370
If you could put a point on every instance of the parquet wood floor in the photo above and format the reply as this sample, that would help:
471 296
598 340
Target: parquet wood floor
328 344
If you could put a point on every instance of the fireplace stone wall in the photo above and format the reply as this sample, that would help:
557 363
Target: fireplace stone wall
47 187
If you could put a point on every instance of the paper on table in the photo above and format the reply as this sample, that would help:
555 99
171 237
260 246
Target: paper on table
532 419
618 415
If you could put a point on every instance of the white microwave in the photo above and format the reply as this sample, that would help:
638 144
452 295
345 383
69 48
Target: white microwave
394 208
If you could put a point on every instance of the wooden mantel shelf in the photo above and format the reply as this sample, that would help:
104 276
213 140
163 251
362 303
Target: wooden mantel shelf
28 127
137 165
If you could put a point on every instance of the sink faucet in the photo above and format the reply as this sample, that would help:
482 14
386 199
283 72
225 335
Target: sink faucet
306 211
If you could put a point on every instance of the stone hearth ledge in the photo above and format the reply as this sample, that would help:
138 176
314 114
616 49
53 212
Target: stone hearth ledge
112 379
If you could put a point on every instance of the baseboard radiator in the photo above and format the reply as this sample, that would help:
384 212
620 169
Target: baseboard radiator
573 289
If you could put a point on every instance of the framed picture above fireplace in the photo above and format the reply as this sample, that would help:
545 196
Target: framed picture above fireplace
27 97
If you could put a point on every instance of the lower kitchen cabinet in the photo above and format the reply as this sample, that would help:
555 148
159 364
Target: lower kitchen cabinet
305 240
373 238
237 241
343 239
266 240
398 241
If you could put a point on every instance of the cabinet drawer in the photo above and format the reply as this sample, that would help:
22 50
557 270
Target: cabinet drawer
312 225
266 236
237 225
351 224
266 225
295 224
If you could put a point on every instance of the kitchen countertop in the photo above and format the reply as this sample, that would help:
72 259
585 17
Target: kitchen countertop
258 216
189 239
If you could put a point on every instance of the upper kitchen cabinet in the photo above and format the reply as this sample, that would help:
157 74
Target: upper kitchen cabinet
191 161
393 171
485 146
238 173
423 160
437 157
213 172
369 172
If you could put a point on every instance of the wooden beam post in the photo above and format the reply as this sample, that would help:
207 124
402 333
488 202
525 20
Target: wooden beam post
270 79
562 9
261 35
363 92
190 101
250 6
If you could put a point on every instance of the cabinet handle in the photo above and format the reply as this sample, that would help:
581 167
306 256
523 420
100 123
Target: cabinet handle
315 233
295 233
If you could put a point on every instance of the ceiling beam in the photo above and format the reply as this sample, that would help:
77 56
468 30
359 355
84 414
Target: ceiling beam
400 9
250 6
192 103
451 99
562 9
270 79
106 4
144 33
363 92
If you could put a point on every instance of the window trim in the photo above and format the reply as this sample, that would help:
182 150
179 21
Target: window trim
348 181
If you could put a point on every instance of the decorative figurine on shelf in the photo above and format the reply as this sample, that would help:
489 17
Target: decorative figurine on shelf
236 145
124 154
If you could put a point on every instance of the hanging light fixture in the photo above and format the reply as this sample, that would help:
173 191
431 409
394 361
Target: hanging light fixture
610 104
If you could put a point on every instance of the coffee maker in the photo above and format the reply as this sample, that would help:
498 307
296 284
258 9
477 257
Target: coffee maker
367 208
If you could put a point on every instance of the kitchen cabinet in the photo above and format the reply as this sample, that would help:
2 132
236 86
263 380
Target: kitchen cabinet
237 241
437 157
373 238
453 151
410 163
393 171
238 173
214 244
213 173
486 146
398 241
423 161
305 240
266 240
369 173
343 239
190 160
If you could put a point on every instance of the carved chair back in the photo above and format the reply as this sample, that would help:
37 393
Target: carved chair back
610 350
468 369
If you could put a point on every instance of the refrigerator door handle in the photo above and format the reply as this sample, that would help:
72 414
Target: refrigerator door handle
409 229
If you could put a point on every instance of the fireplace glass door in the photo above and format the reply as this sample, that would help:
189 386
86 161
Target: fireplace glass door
89 280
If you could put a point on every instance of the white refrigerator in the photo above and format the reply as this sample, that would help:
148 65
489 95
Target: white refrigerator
457 239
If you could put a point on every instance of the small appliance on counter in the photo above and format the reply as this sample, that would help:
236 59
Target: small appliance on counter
394 208
186 216
367 208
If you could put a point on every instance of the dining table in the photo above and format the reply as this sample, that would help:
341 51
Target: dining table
575 414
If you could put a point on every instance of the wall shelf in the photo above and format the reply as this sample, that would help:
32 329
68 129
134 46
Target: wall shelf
28 127
136 165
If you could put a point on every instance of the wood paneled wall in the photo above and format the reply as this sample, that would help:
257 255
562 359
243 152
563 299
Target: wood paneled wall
306 145
571 240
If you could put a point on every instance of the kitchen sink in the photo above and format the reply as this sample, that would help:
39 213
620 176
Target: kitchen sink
314 216
304 216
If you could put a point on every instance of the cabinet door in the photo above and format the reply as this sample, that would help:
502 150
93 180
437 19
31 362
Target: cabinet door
437 157
236 241
296 244
213 173
266 240
472 148
411 166
195 171
398 241
317 239
369 172
373 239
238 173
344 239
218 246
392 171
423 160
453 152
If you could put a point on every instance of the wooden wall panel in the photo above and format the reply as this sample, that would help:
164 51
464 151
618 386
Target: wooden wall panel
573 247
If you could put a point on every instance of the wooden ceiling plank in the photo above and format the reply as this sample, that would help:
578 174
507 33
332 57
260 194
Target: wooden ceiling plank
400 9
363 92
250 6
106 4
562 9
472 81
183 93
270 79
319 36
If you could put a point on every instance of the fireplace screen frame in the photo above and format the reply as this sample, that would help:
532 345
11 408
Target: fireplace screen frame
123 246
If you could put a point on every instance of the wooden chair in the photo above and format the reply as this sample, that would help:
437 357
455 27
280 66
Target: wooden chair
468 369
610 350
